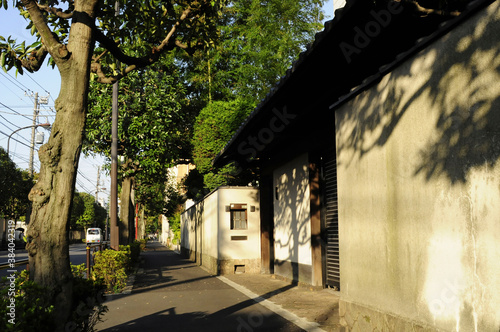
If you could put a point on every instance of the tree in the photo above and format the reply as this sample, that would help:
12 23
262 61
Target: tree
214 126
137 37
15 185
259 41
86 212
153 133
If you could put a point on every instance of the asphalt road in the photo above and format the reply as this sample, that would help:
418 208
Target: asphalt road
77 253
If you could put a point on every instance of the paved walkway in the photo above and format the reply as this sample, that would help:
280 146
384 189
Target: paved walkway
174 294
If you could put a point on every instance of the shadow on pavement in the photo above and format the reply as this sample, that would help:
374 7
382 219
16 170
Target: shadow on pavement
166 273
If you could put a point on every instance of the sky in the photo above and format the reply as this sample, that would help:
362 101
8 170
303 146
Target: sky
17 96
17 105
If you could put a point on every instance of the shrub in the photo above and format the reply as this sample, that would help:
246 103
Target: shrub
110 268
143 243
33 308
88 301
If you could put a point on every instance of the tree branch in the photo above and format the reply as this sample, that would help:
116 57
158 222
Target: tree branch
424 11
49 40
134 63
56 11
34 61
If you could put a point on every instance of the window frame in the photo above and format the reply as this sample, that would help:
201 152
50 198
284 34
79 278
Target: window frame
238 208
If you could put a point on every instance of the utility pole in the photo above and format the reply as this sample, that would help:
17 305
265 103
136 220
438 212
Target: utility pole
37 102
113 210
32 144
97 185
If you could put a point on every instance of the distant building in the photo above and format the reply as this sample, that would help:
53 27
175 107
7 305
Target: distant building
176 175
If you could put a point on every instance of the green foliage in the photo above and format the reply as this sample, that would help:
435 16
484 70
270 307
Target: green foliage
86 212
33 308
88 301
154 130
173 198
133 251
79 271
110 268
175 226
152 224
139 28
214 126
142 244
152 124
15 186
257 44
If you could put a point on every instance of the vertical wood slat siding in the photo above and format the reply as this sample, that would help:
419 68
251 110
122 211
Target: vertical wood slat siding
332 221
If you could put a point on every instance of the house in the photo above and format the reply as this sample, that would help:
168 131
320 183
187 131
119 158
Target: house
222 232
378 166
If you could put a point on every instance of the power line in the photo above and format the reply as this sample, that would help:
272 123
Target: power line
83 187
1 116
29 76
10 89
11 130
26 115
13 110
18 141
14 81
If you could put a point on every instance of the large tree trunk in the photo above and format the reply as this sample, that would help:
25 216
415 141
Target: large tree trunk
48 231
127 212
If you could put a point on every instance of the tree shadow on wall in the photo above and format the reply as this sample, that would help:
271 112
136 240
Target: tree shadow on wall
292 220
461 82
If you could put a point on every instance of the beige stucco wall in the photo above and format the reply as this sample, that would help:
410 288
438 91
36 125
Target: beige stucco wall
419 187
213 248
292 221
246 249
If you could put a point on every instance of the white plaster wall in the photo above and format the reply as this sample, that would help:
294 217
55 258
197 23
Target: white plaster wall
239 249
292 227
188 229
165 230
419 185
209 235
205 226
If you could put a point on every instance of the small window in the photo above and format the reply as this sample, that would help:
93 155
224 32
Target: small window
238 216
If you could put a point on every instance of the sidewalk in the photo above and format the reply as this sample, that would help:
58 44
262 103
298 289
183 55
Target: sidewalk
174 294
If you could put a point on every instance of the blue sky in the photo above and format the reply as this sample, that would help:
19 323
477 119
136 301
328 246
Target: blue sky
17 101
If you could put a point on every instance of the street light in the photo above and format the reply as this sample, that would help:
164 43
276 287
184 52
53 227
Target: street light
43 125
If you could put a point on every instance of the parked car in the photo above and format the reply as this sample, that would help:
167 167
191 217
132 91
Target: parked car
94 236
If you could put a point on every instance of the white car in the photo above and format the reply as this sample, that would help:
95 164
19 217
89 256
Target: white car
94 236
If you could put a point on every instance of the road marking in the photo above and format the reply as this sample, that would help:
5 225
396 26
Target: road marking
300 322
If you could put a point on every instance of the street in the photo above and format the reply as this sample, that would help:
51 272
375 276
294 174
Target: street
175 294
77 253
